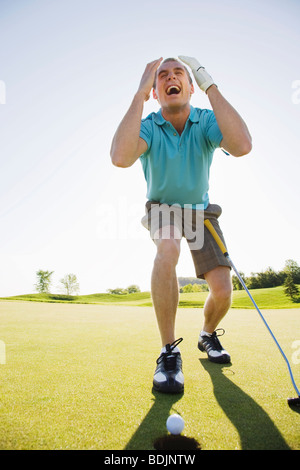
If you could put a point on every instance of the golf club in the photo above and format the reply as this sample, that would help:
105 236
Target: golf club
209 226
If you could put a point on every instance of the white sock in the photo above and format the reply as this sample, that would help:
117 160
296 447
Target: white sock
175 350
204 333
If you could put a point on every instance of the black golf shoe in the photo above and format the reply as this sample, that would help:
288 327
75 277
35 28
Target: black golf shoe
213 347
168 376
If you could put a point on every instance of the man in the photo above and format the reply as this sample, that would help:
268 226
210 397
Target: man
175 147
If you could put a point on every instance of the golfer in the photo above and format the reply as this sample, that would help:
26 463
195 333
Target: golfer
175 147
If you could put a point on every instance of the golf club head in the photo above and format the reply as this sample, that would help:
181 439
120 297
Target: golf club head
294 402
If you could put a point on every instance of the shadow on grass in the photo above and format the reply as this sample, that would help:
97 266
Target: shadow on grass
256 430
154 423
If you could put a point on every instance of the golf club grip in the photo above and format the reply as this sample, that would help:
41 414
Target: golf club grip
218 240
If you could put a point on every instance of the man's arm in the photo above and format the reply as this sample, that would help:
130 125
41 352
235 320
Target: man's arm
127 145
236 137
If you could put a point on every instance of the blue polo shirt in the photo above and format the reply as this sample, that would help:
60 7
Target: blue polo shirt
176 167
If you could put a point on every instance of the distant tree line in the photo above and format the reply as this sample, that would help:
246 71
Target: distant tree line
192 284
69 284
184 281
120 291
269 277
193 288
288 277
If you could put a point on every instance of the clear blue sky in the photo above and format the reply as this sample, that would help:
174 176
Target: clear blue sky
70 69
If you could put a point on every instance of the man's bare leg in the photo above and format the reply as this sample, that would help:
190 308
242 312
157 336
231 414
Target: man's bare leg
164 287
216 306
219 299
168 376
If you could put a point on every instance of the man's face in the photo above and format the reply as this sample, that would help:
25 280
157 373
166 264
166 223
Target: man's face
173 87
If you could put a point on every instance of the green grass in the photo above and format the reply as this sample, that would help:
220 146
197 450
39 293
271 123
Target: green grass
265 298
80 377
138 297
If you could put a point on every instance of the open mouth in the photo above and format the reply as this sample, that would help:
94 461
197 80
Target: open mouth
173 90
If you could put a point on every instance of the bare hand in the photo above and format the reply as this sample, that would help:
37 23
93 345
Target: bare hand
147 79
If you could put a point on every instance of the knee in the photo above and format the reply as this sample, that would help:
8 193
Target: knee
220 286
222 292
168 251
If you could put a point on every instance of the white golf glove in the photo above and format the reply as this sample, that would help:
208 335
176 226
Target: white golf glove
203 79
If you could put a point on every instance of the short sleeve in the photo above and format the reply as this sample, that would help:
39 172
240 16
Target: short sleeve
213 133
146 131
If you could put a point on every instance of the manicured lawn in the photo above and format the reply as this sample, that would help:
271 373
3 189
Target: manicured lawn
265 298
271 298
80 377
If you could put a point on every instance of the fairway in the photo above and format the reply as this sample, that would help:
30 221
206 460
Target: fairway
80 377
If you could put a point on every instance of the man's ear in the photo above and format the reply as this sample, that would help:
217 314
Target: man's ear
192 89
155 95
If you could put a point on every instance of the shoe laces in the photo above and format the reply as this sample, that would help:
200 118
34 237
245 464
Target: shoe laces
214 338
169 357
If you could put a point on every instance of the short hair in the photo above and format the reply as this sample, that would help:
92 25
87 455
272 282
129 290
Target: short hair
172 59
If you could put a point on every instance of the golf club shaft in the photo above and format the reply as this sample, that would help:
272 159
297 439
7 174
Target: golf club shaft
212 230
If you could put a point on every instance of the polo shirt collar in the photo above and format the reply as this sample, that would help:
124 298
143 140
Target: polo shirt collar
194 116
160 120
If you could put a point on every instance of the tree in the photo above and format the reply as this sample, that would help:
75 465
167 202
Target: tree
193 288
43 281
183 281
70 284
292 267
187 288
271 278
133 288
236 282
290 288
117 291
252 281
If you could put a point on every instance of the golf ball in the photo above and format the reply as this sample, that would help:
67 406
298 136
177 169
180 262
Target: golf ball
175 424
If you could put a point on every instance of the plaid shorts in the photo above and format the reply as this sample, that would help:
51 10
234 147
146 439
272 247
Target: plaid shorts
188 223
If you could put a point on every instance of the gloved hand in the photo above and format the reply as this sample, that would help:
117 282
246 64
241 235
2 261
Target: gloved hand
203 79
